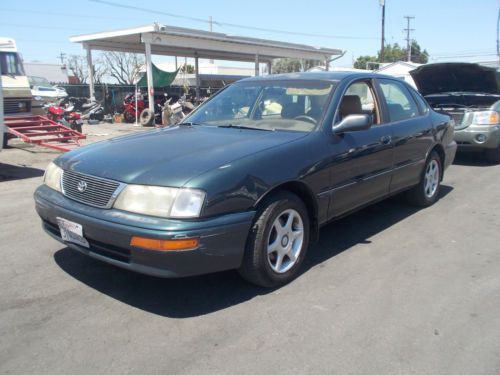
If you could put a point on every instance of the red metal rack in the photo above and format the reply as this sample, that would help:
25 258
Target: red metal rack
43 132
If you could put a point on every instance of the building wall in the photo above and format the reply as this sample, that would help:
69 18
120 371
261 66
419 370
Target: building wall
55 73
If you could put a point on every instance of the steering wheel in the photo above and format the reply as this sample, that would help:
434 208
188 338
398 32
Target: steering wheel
306 118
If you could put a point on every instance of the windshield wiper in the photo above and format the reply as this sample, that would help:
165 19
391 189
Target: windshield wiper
244 127
189 123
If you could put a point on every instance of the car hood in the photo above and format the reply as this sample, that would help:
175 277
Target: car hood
456 77
170 157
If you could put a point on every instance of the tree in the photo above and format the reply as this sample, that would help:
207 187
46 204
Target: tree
99 69
122 66
78 66
393 53
290 65
187 69
417 55
362 62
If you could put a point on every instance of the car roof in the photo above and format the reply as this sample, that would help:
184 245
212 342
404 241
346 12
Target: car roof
319 76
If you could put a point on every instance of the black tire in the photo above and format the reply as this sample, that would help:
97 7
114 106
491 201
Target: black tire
419 195
5 140
493 155
129 117
147 117
78 128
257 266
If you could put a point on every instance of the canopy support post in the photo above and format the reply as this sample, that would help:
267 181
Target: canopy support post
257 70
3 128
90 66
197 75
149 74
269 67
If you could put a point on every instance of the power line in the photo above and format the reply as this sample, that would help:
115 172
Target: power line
227 24
485 50
59 14
42 27
458 56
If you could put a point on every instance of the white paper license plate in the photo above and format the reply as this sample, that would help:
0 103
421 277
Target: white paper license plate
72 232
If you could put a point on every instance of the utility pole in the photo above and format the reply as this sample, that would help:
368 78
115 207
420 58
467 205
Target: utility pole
61 56
382 41
408 40
210 24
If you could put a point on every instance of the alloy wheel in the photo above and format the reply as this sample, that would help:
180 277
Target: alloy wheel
285 241
432 175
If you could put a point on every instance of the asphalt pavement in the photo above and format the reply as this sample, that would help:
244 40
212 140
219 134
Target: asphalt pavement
388 290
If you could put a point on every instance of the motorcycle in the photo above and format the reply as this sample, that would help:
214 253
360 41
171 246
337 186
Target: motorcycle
66 117
129 110
90 110
175 110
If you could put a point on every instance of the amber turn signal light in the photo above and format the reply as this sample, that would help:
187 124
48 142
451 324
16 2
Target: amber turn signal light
164 245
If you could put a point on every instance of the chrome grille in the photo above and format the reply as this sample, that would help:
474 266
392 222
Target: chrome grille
98 192
457 116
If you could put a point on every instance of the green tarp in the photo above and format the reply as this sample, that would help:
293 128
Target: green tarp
160 78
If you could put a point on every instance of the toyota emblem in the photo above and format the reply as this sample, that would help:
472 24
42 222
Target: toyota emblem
82 186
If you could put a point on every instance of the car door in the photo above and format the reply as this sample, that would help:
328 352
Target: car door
412 134
361 161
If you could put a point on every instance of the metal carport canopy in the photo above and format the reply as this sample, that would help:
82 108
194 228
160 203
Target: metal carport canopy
178 41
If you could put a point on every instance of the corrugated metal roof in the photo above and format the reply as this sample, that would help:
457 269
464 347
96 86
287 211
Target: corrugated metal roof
179 41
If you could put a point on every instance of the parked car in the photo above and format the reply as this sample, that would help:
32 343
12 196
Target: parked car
250 176
44 94
470 93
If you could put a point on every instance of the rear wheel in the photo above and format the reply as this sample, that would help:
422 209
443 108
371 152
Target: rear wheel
277 243
427 191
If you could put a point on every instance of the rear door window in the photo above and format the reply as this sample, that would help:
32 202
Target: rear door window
400 103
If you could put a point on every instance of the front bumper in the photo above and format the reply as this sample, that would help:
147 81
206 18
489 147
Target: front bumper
221 246
470 137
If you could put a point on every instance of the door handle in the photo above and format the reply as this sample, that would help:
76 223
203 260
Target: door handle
386 139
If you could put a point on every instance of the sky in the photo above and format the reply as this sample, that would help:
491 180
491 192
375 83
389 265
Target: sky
459 30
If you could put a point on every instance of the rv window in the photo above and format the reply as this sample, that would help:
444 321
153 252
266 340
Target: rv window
11 64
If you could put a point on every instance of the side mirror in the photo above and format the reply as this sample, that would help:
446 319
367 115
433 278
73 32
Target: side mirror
353 123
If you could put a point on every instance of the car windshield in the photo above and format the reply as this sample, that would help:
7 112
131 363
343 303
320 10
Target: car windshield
39 81
267 105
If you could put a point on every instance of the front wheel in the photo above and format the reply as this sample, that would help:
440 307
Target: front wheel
129 117
278 241
427 191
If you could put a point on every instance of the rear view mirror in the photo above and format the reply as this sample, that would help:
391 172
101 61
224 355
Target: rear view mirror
353 123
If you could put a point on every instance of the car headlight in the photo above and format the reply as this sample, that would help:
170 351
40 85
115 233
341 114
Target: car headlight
161 201
486 118
52 177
